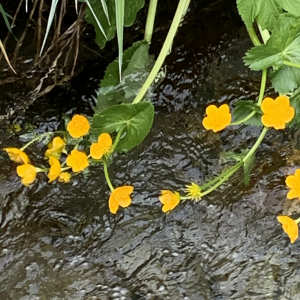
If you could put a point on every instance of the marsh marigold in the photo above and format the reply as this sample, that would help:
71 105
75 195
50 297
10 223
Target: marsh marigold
290 227
293 182
102 147
17 155
55 169
77 160
78 126
217 118
27 173
169 200
120 197
55 148
277 113
64 177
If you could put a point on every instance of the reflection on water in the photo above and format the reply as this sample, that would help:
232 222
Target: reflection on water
60 241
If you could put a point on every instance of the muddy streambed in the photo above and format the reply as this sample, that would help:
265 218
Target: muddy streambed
60 241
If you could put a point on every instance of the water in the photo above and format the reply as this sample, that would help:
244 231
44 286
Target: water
60 241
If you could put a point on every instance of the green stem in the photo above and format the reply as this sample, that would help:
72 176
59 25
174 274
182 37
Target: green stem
262 86
253 36
297 220
264 33
233 170
150 21
107 176
181 10
289 63
224 174
257 143
116 141
243 120
36 139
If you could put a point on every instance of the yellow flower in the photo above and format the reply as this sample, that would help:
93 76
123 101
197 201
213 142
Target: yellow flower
17 155
102 147
120 197
217 118
77 161
55 169
169 200
78 126
27 173
289 226
56 147
277 112
293 182
64 177
193 190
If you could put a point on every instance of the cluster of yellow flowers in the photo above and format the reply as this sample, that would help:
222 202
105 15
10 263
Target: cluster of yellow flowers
289 225
77 161
276 113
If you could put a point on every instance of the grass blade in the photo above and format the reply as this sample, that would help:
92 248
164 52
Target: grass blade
5 15
120 6
98 23
6 57
50 20
76 6
104 5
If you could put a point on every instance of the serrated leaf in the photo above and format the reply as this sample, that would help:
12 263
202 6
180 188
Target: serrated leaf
283 45
295 102
135 119
245 107
269 14
291 6
286 79
131 9
248 10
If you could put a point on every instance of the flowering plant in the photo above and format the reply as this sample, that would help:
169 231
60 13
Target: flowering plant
122 120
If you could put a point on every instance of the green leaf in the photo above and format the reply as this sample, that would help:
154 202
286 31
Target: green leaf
286 79
137 65
248 10
291 6
295 102
283 45
111 76
131 9
245 107
248 166
269 14
136 119
120 31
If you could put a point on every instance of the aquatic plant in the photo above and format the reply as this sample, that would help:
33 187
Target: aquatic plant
123 115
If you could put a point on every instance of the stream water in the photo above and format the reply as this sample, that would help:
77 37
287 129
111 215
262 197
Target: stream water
59 241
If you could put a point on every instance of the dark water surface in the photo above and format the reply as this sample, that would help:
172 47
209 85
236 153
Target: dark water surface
59 241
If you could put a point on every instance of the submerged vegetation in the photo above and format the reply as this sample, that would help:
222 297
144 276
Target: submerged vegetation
123 113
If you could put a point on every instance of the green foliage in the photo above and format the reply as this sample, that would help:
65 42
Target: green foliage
137 64
286 79
134 119
238 157
266 12
131 9
295 102
283 45
245 107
